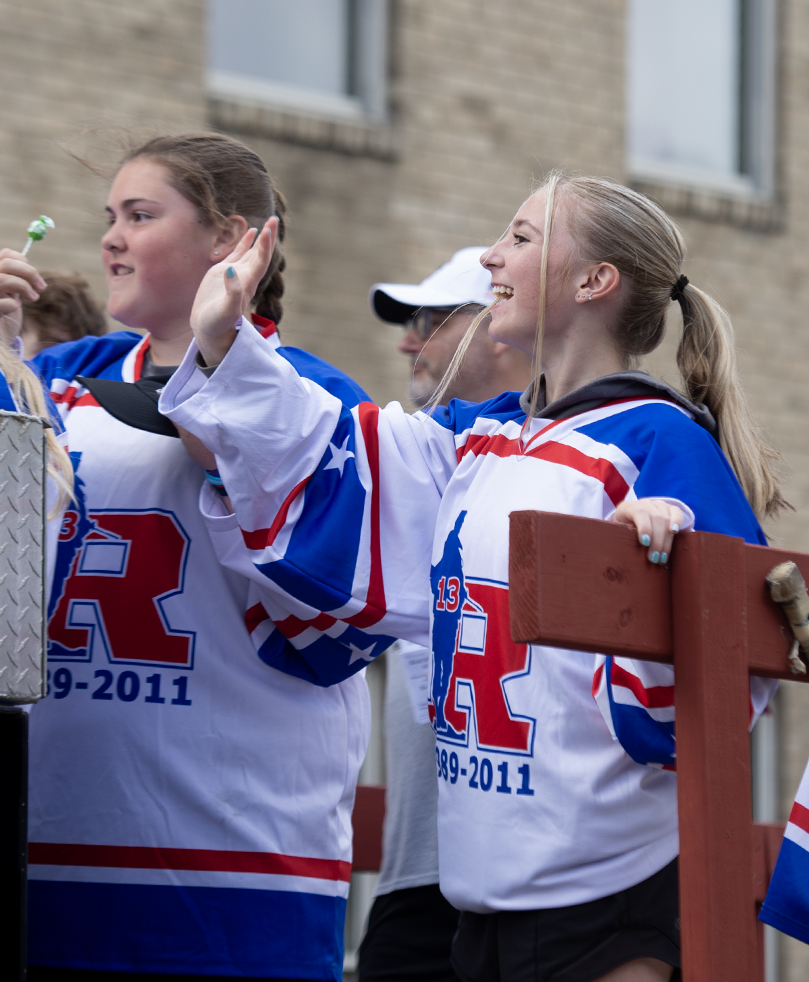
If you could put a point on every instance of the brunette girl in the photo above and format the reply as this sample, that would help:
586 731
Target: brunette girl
190 803
557 821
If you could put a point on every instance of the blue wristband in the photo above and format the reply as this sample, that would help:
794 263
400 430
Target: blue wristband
214 478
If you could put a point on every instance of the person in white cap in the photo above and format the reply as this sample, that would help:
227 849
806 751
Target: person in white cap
411 925
436 314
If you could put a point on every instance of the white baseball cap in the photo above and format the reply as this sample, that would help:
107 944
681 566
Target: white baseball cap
460 281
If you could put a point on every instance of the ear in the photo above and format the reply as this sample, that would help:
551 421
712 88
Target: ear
597 283
228 238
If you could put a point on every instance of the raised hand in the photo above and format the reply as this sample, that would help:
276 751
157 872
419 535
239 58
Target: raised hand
656 522
227 289
19 281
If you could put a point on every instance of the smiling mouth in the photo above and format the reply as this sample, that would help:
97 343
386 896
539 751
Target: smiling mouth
502 293
118 269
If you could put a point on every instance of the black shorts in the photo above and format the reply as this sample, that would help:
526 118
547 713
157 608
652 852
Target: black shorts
409 937
573 944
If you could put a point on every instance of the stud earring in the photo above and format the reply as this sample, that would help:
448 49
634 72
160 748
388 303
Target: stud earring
580 296
216 252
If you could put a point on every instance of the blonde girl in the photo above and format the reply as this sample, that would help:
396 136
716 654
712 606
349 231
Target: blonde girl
557 810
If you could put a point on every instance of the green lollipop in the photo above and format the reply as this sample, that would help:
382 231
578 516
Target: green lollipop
37 230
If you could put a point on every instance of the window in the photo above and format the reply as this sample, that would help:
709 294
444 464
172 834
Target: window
700 79
322 56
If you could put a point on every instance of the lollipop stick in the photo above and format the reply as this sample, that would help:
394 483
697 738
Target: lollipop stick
27 246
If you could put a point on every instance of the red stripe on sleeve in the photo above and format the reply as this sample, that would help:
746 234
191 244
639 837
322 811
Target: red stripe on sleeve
255 615
655 697
262 538
800 816
374 609
291 626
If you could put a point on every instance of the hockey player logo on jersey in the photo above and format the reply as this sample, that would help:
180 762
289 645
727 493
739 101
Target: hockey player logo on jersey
449 597
474 658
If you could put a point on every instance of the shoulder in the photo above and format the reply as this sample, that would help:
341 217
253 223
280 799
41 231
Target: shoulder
331 379
637 428
87 356
460 416
677 458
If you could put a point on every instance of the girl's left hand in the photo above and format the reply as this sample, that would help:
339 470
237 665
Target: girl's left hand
656 522
227 289
19 281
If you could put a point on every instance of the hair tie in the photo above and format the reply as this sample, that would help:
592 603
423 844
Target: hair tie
678 290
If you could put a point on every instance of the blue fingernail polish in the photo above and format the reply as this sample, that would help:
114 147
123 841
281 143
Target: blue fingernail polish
230 272
645 540
655 557
675 528
663 557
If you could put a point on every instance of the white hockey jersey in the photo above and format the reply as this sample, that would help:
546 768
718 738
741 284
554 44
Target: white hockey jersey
403 521
190 805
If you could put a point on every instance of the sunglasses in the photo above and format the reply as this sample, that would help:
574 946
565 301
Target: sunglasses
426 320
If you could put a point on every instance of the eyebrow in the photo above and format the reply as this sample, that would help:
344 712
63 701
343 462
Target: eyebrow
518 223
130 202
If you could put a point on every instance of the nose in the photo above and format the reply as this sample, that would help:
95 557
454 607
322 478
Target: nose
112 240
491 258
411 343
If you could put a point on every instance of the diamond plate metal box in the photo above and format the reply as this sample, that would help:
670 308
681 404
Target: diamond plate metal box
22 557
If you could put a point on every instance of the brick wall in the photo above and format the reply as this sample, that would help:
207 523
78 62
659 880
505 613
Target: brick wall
102 68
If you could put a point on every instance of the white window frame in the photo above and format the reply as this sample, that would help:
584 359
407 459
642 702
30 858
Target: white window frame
758 120
370 71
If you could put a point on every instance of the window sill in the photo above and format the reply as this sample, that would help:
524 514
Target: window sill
743 208
358 137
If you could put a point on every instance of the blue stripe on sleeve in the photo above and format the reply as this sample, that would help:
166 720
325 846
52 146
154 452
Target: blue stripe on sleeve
325 375
459 415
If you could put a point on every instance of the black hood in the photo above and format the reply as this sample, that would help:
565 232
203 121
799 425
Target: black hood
621 385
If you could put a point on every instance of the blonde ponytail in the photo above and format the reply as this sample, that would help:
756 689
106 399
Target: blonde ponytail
706 358
27 391
614 224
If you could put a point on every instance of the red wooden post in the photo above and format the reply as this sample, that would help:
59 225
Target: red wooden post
714 789
583 584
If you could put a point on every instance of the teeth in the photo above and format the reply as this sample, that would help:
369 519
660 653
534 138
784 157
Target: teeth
502 291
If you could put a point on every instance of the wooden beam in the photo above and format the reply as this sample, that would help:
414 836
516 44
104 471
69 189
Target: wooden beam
585 584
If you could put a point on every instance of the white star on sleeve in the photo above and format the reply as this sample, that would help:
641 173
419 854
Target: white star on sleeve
360 653
339 456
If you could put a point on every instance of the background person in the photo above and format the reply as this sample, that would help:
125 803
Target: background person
411 925
436 314
192 779
65 310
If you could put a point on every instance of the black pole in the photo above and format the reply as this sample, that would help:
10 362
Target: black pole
13 841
